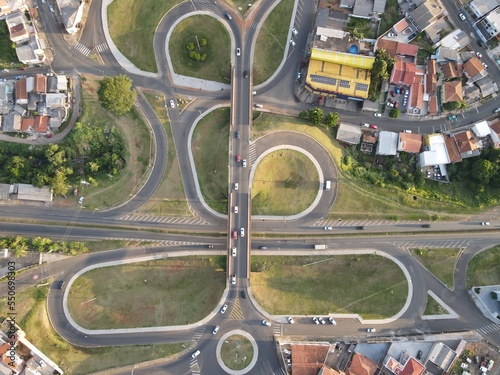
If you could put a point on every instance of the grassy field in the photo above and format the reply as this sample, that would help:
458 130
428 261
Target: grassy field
236 352
169 199
391 16
7 53
217 66
440 262
148 294
239 5
211 157
434 308
272 41
32 318
328 284
285 183
360 200
94 246
484 269
132 25
137 139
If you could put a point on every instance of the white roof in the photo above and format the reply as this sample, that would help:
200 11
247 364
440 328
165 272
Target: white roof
437 153
331 33
33 193
387 143
481 129
62 83
349 133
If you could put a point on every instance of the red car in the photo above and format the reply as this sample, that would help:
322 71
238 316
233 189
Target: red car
396 105
393 94
402 91
238 158
373 126
235 235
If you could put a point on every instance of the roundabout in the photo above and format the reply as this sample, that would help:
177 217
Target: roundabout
237 352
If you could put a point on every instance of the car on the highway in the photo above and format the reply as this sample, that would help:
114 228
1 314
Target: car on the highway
243 294
462 16
238 158
266 323
479 56
371 330
235 235
172 104
242 232
233 251
238 52
263 247
315 320
328 228
209 246
331 320
485 223
321 320
292 42
244 163
233 279
236 186
377 114
60 284
237 134
373 126
195 354
235 209
245 74
215 330
295 32
223 309
290 320
360 227
51 8
299 74
426 225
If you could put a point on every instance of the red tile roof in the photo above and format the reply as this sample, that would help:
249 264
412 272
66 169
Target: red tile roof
361 365
433 105
40 84
417 93
21 89
412 367
403 72
308 359
411 143
473 67
452 91
406 49
18 30
27 122
449 70
430 84
452 149
400 26
431 66
41 124
390 46
465 141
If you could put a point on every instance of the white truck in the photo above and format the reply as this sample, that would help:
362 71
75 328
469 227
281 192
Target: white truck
328 185
320 247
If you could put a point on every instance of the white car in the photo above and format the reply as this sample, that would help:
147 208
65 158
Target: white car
266 323
407 131
51 9
371 330
242 232
223 309
485 66
485 223
479 56
365 125
215 330
321 320
290 320
315 320
462 16
295 32
391 35
233 279
235 186
292 42
80 200
331 320
233 251
377 114
238 52
328 228
172 105
195 354
244 163
235 210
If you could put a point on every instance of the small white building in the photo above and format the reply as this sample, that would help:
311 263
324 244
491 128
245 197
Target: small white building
71 14
387 143
481 129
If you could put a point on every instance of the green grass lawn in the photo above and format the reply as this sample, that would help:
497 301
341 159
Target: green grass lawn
33 319
236 352
169 199
240 5
484 268
137 138
315 285
434 308
391 16
7 53
285 183
132 25
272 41
211 157
440 262
148 294
217 66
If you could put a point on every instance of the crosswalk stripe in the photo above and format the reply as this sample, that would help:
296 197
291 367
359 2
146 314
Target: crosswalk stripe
83 49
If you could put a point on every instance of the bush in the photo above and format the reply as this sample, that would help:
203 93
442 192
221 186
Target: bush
394 113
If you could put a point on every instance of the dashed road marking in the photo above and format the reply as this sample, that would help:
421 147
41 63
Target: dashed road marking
102 47
236 311
490 328
164 219
84 50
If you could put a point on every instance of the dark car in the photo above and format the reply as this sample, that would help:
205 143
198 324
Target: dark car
360 227
419 354
209 246
245 74
393 93
412 36
243 294
60 284
426 225
237 134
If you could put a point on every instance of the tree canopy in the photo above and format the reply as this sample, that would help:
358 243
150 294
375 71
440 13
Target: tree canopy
116 94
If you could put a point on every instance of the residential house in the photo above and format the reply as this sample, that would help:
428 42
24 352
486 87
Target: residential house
466 143
400 26
71 14
62 83
370 105
16 23
431 77
52 84
32 52
481 129
21 94
444 54
479 8
474 70
28 124
40 84
41 124
416 102
435 152
394 48
495 133
348 133
368 8
5 97
403 72
309 359
433 105
489 25
456 40
452 92
55 100
411 366
452 149
387 143
33 99
487 86
11 122
471 94
361 365
435 30
449 70
425 15
410 142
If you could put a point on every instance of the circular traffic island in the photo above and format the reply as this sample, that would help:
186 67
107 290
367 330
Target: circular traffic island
237 352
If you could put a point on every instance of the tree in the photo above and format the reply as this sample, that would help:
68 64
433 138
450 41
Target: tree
59 182
483 171
315 115
303 114
19 246
116 94
332 119
394 113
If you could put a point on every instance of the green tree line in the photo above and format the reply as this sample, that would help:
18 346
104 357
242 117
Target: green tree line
21 245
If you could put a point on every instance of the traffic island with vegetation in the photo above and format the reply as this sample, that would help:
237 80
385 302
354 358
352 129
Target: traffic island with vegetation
439 262
335 284
432 307
32 317
210 153
272 41
285 183
174 291
484 268
200 47
237 352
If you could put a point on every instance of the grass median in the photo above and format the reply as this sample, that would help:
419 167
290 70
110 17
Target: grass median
439 262
195 29
432 307
174 291
237 352
272 41
484 268
33 319
369 285
211 157
285 183
132 26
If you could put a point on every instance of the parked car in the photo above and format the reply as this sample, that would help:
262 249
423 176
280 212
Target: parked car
315 320
236 186
479 56
233 279
292 42
485 66
223 309
419 354
398 91
290 320
391 35
496 110
396 105
390 104
365 125
393 94
371 330
407 131
331 320
374 126
295 32
377 114
235 235
80 200
195 354
266 323
235 209
321 320
233 251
